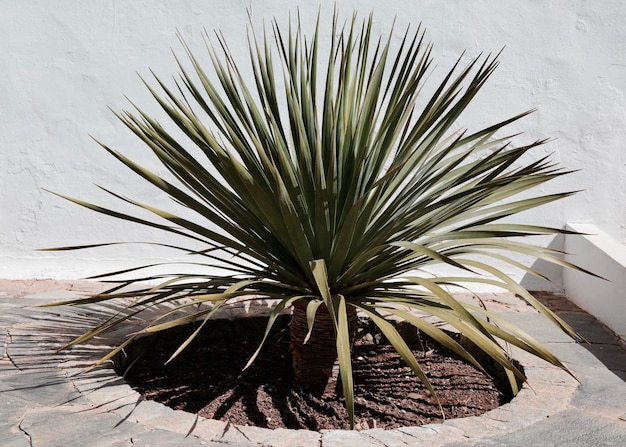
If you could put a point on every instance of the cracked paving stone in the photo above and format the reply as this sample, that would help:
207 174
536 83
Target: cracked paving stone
38 389
8 439
72 426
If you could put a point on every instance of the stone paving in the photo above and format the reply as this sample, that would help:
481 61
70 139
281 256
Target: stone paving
47 398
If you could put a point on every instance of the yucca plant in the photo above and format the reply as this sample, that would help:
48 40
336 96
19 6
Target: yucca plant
327 183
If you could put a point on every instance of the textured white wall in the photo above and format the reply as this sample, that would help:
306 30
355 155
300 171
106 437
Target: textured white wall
62 64
604 299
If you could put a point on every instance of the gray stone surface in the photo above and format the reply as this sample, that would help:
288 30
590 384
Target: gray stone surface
75 425
590 328
44 401
568 428
10 439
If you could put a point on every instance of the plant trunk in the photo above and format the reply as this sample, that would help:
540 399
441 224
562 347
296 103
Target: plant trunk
315 363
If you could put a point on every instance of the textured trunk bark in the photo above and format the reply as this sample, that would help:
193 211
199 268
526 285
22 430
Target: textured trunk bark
315 363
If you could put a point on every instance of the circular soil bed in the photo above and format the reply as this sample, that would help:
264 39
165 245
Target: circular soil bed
207 379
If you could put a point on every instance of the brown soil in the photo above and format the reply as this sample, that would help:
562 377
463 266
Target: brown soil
207 379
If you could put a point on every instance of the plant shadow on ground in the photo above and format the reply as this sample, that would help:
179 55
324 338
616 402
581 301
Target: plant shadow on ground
207 379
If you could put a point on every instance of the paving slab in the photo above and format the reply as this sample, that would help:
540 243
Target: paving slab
601 392
590 328
567 428
74 425
539 327
9 439
611 356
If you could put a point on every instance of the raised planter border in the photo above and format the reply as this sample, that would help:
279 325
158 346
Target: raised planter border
551 393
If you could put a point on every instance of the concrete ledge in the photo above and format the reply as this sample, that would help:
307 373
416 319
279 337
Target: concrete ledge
599 253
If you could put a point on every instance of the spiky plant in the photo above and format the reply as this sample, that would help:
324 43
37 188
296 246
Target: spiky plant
327 183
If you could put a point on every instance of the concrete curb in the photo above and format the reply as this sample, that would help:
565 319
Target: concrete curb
551 392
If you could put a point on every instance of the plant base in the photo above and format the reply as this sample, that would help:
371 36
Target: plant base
315 363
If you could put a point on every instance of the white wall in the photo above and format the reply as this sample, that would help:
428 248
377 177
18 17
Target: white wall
62 63
598 252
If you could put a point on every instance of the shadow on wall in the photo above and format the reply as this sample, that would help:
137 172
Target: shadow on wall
552 271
